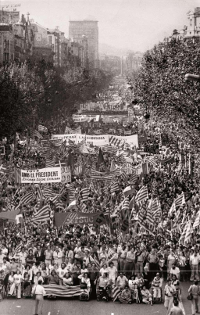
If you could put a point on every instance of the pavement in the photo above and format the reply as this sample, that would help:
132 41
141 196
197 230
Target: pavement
14 306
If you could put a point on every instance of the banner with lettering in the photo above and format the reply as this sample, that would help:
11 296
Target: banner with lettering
42 176
96 140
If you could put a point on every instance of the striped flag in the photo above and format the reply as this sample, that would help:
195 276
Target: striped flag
50 162
116 292
100 175
197 221
180 200
172 209
42 215
156 208
150 215
114 186
85 194
114 141
27 198
133 178
142 195
62 290
188 233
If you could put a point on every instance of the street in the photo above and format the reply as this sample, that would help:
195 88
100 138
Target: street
74 307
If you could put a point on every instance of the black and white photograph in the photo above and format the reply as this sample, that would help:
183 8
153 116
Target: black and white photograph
99 157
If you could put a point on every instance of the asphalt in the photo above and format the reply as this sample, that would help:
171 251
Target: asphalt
13 306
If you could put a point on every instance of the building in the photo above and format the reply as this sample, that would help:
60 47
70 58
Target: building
79 30
193 27
41 48
6 43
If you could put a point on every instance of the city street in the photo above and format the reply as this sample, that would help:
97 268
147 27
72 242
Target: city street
74 307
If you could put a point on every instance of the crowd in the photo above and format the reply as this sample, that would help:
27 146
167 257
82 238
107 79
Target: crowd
117 260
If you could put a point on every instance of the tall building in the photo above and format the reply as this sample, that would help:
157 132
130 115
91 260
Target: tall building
89 29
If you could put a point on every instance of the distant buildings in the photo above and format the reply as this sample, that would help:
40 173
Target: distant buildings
86 30
23 39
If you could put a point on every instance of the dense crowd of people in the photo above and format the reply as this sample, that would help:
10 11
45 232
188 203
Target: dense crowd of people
105 262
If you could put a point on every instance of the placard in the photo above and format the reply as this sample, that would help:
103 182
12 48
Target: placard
42 176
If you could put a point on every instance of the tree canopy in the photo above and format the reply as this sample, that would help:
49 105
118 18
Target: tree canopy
35 92
160 85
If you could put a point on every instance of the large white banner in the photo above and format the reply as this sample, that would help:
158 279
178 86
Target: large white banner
43 175
96 140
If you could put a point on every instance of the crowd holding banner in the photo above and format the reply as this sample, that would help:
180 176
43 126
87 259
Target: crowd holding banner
113 215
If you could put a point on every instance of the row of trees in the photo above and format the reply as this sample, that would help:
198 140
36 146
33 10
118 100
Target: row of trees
37 92
161 88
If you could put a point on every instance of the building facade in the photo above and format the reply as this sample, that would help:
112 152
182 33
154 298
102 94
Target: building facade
6 43
193 27
82 30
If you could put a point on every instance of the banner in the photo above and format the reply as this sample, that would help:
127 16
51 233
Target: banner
65 174
78 218
43 175
96 140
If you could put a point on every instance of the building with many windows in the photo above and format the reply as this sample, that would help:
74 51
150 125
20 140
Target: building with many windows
79 30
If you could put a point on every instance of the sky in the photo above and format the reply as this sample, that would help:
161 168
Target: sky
124 24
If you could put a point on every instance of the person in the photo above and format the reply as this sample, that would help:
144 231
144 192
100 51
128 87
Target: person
16 284
146 295
157 286
39 292
169 291
175 271
194 291
194 264
176 310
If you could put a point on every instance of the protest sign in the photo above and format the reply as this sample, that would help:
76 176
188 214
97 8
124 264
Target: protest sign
43 176
65 174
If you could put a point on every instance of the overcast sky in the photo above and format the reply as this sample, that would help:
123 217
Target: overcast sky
129 24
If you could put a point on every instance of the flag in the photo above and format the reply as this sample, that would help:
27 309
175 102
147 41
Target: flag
142 195
84 194
150 216
180 200
114 141
116 292
100 160
197 221
132 178
42 215
114 186
72 205
128 191
27 198
50 162
172 209
188 233
156 209
168 160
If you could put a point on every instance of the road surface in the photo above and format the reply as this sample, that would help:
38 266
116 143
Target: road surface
13 306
